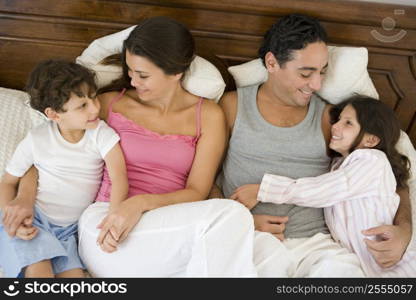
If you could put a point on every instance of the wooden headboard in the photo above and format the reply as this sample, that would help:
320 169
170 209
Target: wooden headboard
227 32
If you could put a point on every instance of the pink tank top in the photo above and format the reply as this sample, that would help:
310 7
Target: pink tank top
156 163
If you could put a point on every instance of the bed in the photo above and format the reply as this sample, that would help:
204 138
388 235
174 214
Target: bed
227 33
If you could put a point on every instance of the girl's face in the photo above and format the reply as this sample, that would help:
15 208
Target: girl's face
149 80
345 131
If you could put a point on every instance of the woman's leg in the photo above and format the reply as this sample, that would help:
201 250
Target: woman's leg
199 239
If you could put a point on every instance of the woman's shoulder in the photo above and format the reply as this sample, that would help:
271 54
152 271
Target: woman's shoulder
107 98
211 110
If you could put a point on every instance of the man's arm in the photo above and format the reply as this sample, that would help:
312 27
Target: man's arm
395 238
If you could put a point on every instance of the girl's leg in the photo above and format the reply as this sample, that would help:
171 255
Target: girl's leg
42 269
73 273
206 238
321 256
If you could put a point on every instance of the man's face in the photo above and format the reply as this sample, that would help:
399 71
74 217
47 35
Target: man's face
296 81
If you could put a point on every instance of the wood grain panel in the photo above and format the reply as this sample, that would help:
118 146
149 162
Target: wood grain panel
227 32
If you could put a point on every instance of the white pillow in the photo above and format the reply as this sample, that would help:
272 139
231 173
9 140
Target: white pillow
347 74
405 147
16 118
202 79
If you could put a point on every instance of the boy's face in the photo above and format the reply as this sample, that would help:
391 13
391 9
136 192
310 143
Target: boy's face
296 81
80 113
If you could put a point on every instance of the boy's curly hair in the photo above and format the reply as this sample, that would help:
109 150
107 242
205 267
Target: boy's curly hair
51 83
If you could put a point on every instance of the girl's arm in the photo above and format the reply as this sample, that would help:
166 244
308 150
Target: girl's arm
360 174
209 151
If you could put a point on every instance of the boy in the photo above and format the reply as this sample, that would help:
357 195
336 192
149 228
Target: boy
69 152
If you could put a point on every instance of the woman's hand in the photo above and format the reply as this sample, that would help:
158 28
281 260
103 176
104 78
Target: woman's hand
246 195
118 223
14 214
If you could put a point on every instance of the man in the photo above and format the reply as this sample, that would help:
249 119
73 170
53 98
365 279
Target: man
281 127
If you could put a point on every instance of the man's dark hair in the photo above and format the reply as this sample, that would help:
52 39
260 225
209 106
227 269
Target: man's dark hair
290 33
51 83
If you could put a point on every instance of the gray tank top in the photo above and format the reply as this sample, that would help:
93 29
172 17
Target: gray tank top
257 147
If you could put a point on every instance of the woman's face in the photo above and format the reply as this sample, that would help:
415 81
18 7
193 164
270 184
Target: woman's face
150 81
345 131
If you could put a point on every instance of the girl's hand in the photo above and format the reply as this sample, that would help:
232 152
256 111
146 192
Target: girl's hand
120 222
247 195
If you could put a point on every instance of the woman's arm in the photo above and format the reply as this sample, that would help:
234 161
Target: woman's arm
209 151
17 208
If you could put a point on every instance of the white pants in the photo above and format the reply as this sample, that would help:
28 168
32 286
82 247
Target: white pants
211 238
317 256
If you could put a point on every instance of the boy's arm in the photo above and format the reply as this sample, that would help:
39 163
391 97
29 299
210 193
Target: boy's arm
17 208
116 167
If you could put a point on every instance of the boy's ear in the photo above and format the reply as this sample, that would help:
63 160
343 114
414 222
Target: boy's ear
370 140
51 114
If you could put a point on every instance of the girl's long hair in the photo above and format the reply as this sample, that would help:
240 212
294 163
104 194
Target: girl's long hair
378 119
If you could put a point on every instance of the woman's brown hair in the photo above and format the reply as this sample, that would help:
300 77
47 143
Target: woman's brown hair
162 40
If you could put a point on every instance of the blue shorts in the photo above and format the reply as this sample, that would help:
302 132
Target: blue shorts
56 243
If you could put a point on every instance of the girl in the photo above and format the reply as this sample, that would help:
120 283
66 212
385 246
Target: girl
359 192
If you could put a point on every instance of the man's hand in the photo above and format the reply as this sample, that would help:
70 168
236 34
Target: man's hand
273 224
390 243
246 195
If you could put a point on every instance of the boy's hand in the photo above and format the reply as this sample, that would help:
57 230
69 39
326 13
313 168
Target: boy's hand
14 213
247 195
26 231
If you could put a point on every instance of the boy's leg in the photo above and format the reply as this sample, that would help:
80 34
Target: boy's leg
42 269
73 273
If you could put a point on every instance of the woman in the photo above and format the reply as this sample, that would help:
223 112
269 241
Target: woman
173 142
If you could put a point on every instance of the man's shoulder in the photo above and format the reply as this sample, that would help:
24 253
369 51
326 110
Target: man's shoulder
228 99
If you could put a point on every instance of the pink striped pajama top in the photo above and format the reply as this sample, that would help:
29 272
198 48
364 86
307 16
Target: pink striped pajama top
358 193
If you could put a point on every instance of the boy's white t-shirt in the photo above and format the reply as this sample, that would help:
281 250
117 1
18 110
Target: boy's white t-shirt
69 174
